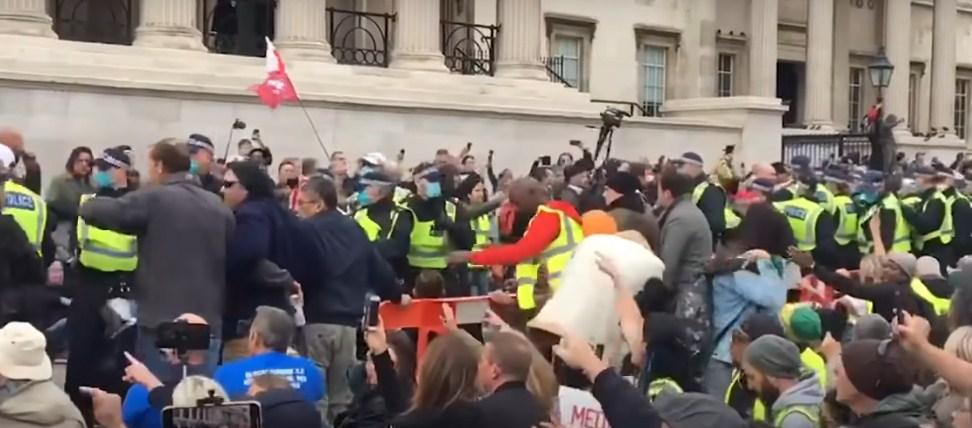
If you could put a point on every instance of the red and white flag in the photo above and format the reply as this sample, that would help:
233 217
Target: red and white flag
277 87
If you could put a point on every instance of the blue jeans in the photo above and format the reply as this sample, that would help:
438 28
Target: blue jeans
168 373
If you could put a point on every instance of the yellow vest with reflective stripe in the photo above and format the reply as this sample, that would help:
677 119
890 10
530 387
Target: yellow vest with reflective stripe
401 194
555 257
939 304
428 249
658 386
813 361
802 214
847 223
945 231
28 209
372 229
481 227
826 199
732 220
105 250
759 410
902 230
811 412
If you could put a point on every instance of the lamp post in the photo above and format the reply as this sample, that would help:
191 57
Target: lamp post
880 71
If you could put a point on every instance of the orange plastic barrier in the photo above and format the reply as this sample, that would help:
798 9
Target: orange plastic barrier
426 316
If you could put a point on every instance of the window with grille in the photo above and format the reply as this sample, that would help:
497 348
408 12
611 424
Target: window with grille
654 64
961 106
571 52
856 95
727 66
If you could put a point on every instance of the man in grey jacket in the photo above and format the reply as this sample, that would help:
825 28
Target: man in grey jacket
183 232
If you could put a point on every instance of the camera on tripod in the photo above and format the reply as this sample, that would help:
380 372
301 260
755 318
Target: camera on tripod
611 118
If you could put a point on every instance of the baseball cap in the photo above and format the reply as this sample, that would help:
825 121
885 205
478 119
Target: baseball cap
878 368
199 141
804 323
22 353
113 158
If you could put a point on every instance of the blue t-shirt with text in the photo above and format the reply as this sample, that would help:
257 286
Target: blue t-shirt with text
304 376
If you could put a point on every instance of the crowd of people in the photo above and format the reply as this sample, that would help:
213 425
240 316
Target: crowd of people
793 295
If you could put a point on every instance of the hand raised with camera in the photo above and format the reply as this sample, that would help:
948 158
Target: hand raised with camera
137 372
376 339
578 354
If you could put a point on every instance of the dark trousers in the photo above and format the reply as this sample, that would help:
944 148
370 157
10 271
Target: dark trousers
94 359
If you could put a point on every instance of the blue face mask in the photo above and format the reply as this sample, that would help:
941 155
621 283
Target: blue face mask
102 179
193 168
433 189
364 199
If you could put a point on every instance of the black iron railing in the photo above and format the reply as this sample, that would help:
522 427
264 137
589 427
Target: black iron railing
469 48
826 148
555 70
101 21
359 38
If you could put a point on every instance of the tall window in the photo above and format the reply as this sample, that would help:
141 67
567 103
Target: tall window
913 99
961 106
570 50
856 95
727 66
653 67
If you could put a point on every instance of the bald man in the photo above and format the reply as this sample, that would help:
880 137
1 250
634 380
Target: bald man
763 170
549 240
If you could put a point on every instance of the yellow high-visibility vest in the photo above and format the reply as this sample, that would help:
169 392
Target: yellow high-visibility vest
732 220
481 227
902 230
847 223
372 229
802 214
759 409
826 199
658 386
946 230
813 361
428 249
105 250
940 305
554 257
811 412
28 209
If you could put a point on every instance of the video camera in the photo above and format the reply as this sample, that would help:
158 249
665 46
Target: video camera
611 118
213 412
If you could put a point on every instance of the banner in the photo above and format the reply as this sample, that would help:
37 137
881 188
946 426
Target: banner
579 409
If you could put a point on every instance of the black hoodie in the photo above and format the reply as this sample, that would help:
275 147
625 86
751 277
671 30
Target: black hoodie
287 408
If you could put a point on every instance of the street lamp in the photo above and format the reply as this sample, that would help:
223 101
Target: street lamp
880 71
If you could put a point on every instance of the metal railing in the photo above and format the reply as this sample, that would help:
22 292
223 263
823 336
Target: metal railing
825 148
102 21
359 38
555 70
469 48
632 106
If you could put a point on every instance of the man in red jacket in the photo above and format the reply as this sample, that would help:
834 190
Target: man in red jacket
549 240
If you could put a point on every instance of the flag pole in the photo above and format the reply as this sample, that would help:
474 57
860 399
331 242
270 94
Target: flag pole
313 127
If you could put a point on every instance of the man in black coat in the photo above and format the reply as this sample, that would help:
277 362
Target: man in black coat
503 371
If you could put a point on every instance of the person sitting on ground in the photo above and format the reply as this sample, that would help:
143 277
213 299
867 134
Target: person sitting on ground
774 370
30 398
503 371
282 406
271 333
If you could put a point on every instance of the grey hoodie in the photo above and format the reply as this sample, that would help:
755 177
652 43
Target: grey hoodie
39 404
806 393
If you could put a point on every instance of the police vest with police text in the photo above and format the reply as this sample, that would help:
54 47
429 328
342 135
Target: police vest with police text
802 214
847 224
554 257
28 209
429 247
105 250
946 230
902 230
732 220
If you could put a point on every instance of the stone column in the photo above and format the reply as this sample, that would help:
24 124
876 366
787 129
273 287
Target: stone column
697 55
301 30
25 18
943 66
898 49
417 34
820 44
763 19
840 110
518 50
169 24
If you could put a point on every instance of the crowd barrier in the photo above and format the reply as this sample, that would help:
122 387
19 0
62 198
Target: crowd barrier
425 315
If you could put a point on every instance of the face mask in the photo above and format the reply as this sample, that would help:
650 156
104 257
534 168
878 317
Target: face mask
103 180
364 199
433 189
193 168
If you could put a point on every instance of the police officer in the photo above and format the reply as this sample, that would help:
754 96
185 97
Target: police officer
20 264
386 223
439 226
787 185
932 219
876 197
813 227
710 198
960 208
106 263
31 213
845 216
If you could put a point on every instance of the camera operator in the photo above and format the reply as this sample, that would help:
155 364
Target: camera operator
201 159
